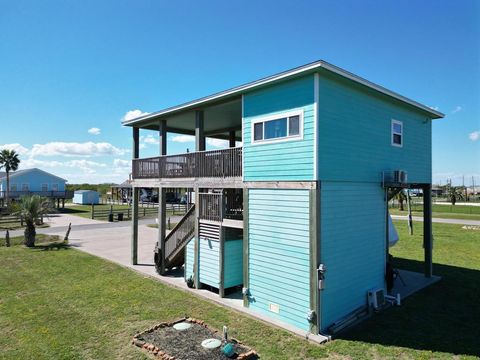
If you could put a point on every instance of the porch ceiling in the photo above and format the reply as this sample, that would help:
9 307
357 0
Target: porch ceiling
219 119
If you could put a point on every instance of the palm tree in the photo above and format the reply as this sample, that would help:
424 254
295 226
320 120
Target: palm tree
454 193
10 161
31 208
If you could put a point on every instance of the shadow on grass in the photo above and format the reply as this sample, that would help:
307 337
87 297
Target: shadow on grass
444 317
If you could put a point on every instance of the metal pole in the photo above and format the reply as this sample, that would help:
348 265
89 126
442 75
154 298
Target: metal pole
427 229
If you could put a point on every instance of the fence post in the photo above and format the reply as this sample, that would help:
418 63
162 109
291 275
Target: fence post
21 221
92 211
144 212
128 212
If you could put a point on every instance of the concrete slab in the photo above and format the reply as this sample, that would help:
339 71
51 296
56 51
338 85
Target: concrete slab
410 282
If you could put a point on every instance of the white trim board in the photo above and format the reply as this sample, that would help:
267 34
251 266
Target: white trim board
308 68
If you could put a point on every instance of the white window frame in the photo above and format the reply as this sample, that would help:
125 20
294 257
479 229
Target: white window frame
25 187
13 187
54 187
45 185
392 133
278 116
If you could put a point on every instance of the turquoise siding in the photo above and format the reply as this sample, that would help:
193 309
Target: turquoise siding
233 273
355 136
209 262
189 258
352 246
90 197
279 260
289 160
34 179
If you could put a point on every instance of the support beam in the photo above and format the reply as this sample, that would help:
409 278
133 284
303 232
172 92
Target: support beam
427 229
162 137
314 214
196 261
231 138
136 143
199 131
161 227
135 196
246 283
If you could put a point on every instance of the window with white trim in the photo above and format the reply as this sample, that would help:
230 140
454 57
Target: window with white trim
397 133
279 127
44 187
54 187
24 187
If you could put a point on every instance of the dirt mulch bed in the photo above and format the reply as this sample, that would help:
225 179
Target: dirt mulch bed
166 343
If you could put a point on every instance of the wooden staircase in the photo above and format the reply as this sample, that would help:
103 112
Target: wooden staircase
174 253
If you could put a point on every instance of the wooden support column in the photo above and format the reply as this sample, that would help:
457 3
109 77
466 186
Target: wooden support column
231 138
162 227
162 137
196 261
199 131
221 289
136 143
135 196
246 283
427 229
314 259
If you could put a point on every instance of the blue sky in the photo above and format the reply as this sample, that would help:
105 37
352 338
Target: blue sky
70 66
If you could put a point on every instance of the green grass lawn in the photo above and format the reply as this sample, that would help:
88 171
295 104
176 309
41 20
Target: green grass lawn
444 211
66 304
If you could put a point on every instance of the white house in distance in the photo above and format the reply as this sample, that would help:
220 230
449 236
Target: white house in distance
34 181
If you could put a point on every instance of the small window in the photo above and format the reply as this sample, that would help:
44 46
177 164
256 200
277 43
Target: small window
44 187
24 187
54 187
278 128
13 187
397 133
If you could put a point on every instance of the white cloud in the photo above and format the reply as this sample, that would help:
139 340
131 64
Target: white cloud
474 136
19 149
457 109
75 149
149 139
94 131
133 114
217 142
183 138
434 108
121 163
84 163
30 162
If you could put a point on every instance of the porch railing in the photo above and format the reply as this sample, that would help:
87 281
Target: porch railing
217 206
225 163
67 194
180 235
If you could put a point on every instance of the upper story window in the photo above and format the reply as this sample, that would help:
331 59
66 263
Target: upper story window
24 187
397 133
54 187
278 127
44 187
13 187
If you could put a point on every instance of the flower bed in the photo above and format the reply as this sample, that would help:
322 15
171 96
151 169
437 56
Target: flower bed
167 343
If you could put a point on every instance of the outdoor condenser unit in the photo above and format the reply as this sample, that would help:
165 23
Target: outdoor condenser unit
376 298
400 176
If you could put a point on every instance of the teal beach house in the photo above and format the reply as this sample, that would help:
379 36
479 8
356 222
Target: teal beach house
294 222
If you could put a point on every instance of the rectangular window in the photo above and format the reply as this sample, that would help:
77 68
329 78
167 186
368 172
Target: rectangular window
397 133
54 187
44 187
24 187
13 187
278 127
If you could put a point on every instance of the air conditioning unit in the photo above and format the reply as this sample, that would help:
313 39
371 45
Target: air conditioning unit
376 298
400 176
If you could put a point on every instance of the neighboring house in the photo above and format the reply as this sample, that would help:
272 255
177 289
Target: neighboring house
35 181
298 215
86 197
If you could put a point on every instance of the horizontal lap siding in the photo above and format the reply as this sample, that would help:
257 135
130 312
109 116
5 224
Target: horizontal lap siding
289 160
233 273
209 262
189 258
355 135
352 247
279 261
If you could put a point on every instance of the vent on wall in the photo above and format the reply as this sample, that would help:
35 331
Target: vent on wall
400 176
376 298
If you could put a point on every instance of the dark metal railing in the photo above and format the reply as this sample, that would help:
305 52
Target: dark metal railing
217 206
225 163
67 194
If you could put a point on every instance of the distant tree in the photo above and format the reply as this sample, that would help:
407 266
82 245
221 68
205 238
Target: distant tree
454 193
31 208
9 161
401 198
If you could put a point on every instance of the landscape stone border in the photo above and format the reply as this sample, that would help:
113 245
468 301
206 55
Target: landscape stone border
157 352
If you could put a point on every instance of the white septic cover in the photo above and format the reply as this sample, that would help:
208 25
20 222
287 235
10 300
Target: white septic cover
182 326
211 343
